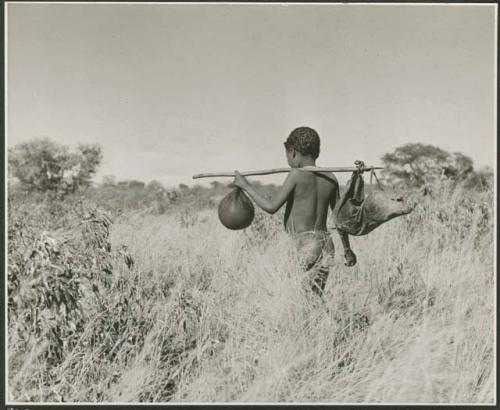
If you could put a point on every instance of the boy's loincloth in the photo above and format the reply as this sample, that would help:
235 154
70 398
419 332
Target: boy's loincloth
316 254
315 248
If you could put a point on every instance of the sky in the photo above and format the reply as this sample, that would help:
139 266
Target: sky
172 90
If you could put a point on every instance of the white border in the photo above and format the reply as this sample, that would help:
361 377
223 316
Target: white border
250 2
6 255
495 198
494 5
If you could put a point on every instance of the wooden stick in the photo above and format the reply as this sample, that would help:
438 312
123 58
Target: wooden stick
279 170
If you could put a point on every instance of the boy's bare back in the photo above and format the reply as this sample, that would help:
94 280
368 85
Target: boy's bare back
308 202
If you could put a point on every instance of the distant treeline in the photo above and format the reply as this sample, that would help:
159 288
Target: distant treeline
41 169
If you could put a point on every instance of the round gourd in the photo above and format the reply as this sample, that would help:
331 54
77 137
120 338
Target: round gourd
236 211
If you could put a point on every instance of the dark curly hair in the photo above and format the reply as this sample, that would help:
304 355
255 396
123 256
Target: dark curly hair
304 140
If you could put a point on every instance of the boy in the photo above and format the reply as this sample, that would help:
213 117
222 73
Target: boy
307 195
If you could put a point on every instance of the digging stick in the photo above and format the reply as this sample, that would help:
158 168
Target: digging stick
280 170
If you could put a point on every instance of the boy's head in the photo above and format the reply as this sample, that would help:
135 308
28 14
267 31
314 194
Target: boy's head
303 141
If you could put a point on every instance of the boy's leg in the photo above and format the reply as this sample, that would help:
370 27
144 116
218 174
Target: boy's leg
317 252
319 279
322 270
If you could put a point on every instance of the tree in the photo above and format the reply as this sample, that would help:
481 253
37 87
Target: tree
108 180
134 184
155 187
87 159
482 179
45 166
458 167
420 165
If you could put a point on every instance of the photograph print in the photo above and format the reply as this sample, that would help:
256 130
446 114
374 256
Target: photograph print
250 203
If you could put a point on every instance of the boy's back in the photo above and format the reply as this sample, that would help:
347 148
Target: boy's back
307 207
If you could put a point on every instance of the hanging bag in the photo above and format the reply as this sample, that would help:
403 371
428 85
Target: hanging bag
358 215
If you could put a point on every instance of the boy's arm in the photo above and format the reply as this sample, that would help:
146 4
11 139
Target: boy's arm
349 255
268 205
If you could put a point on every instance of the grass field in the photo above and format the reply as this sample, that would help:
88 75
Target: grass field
192 312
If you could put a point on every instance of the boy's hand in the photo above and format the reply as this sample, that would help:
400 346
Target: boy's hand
350 258
239 180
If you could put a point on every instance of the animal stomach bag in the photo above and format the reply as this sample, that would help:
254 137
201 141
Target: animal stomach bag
357 214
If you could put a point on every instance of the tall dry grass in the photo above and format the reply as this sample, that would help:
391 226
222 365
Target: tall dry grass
211 315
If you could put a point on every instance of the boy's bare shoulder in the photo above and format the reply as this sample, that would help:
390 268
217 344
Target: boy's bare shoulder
329 176
301 175
296 174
